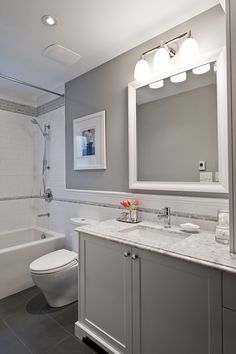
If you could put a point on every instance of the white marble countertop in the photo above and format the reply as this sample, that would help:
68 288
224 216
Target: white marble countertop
199 248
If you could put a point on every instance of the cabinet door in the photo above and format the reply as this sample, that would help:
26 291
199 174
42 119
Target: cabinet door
229 333
176 307
229 291
105 292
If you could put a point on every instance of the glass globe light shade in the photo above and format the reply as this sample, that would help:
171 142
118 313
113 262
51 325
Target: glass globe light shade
161 61
157 84
142 70
189 51
202 69
179 77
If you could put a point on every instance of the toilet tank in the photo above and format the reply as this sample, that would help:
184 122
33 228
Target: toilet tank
74 223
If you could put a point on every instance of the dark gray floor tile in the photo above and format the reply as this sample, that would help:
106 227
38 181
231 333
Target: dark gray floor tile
38 331
66 316
70 345
9 344
30 292
11 304
37 305
16 305
14 296
30 325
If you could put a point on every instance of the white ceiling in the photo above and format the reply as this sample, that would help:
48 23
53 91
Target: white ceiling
98 30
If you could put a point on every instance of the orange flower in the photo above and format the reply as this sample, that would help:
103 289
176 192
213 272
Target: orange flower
129 204
124 204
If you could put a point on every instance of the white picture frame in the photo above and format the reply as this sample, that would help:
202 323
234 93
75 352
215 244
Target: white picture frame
219 56
90 142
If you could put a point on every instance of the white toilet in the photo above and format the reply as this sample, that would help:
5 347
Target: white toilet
56 275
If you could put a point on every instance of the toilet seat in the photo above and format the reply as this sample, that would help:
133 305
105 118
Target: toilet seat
54 262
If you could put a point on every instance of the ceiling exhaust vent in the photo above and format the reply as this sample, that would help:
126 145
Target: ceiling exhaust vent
61 54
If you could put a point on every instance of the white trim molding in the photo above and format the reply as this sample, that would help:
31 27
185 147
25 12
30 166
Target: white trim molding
223 5
218 56
200 207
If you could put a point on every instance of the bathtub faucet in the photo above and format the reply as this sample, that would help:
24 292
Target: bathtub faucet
46 214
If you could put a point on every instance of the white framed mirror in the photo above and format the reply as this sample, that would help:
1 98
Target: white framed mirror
178 131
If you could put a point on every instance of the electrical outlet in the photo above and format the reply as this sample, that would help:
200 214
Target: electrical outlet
202 165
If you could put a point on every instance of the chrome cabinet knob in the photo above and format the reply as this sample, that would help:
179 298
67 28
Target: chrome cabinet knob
126 254
134 256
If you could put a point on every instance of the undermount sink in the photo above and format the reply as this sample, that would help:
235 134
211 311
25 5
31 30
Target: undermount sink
145 234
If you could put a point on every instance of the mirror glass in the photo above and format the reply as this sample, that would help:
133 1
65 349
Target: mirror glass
176 128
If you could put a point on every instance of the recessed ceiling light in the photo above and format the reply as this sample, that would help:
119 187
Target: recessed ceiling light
48 20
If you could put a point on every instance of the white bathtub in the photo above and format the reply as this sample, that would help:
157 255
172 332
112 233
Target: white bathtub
18 249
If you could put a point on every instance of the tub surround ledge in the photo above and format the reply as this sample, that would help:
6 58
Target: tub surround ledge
200 248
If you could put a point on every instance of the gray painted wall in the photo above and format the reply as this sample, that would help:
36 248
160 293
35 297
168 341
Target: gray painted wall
175 133
105 88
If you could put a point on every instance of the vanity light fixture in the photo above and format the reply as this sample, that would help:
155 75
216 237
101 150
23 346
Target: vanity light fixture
178 78
202 69
49 20
157 84
164 52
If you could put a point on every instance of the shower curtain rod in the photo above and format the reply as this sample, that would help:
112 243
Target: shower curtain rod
5 77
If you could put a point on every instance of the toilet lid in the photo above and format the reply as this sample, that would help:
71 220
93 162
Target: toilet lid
54 261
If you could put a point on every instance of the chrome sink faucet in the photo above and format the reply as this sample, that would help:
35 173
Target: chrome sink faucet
166 215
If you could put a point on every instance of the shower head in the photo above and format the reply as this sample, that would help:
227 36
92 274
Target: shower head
34 121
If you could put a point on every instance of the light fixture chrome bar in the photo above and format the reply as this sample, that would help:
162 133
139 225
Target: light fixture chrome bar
166 43
9 78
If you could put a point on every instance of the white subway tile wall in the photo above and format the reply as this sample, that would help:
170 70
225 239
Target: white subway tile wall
17 172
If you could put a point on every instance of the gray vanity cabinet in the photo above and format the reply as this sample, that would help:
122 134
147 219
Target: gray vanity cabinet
229 333
229 313
139 302
177 306
105 310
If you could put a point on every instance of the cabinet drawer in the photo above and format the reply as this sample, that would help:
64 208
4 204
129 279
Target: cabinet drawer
229 291
229 331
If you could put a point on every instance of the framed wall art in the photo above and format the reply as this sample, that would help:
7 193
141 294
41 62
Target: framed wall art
90 142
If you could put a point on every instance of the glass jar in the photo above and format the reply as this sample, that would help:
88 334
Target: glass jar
133 215
222 229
